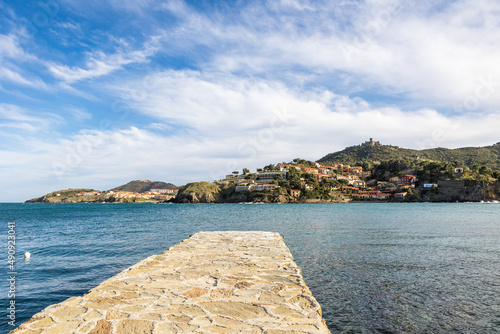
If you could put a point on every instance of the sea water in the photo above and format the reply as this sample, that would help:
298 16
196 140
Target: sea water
374 267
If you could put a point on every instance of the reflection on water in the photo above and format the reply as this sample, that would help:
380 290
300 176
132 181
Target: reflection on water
375 268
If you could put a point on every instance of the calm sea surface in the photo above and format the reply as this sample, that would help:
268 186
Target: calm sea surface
374 268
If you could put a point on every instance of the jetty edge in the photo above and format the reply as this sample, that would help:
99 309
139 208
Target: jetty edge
212 282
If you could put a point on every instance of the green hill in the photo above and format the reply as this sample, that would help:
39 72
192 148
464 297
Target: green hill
141 186
66 195
488 156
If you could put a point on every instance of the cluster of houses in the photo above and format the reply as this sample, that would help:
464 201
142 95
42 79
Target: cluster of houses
397 188
261 182
355 186
155 194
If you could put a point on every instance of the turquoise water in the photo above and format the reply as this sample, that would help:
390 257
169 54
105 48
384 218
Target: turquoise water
374 268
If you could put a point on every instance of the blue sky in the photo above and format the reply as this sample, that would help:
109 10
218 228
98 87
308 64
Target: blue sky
98 93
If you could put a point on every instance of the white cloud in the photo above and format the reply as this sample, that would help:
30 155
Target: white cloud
224 107
436 58
12 53
12 116
100 64
298 4
9 47
79 114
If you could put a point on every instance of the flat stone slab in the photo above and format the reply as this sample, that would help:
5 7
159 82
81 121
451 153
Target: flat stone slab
213 282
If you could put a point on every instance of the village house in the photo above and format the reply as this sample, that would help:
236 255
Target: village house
355 170
407 179
243 186
346 189
163 191
371 193
365 174
295 192
360 196
345 168
395 180
383 196
264 187
267 177
400 195
359 184
309 170
335 167
287 167
383 185
319 177
352 177
306 186
324 171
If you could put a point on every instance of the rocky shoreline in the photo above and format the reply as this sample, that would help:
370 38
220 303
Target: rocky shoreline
218 194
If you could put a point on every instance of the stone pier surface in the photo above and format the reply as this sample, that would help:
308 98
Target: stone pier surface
213 282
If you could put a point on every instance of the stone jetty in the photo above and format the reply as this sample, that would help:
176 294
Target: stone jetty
213 282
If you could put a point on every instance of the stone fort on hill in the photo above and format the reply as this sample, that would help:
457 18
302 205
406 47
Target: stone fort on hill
371 142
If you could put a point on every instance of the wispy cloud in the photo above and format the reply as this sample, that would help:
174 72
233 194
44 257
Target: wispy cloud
12 54
226 107
429 57
79 114
12 116
99 63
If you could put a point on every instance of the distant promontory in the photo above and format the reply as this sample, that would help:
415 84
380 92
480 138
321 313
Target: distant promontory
367 172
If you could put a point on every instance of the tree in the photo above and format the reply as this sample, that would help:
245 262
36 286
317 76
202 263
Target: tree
269 167
483 170
245 171
236 172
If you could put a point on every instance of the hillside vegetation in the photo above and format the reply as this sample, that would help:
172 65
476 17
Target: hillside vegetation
66 196
142 186
488 156
204 192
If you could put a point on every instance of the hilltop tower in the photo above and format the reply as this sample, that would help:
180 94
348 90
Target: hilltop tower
371 142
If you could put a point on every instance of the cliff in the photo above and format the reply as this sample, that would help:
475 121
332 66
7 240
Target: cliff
202 192
465 194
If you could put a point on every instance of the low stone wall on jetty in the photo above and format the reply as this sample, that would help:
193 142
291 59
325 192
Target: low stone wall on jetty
213 282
